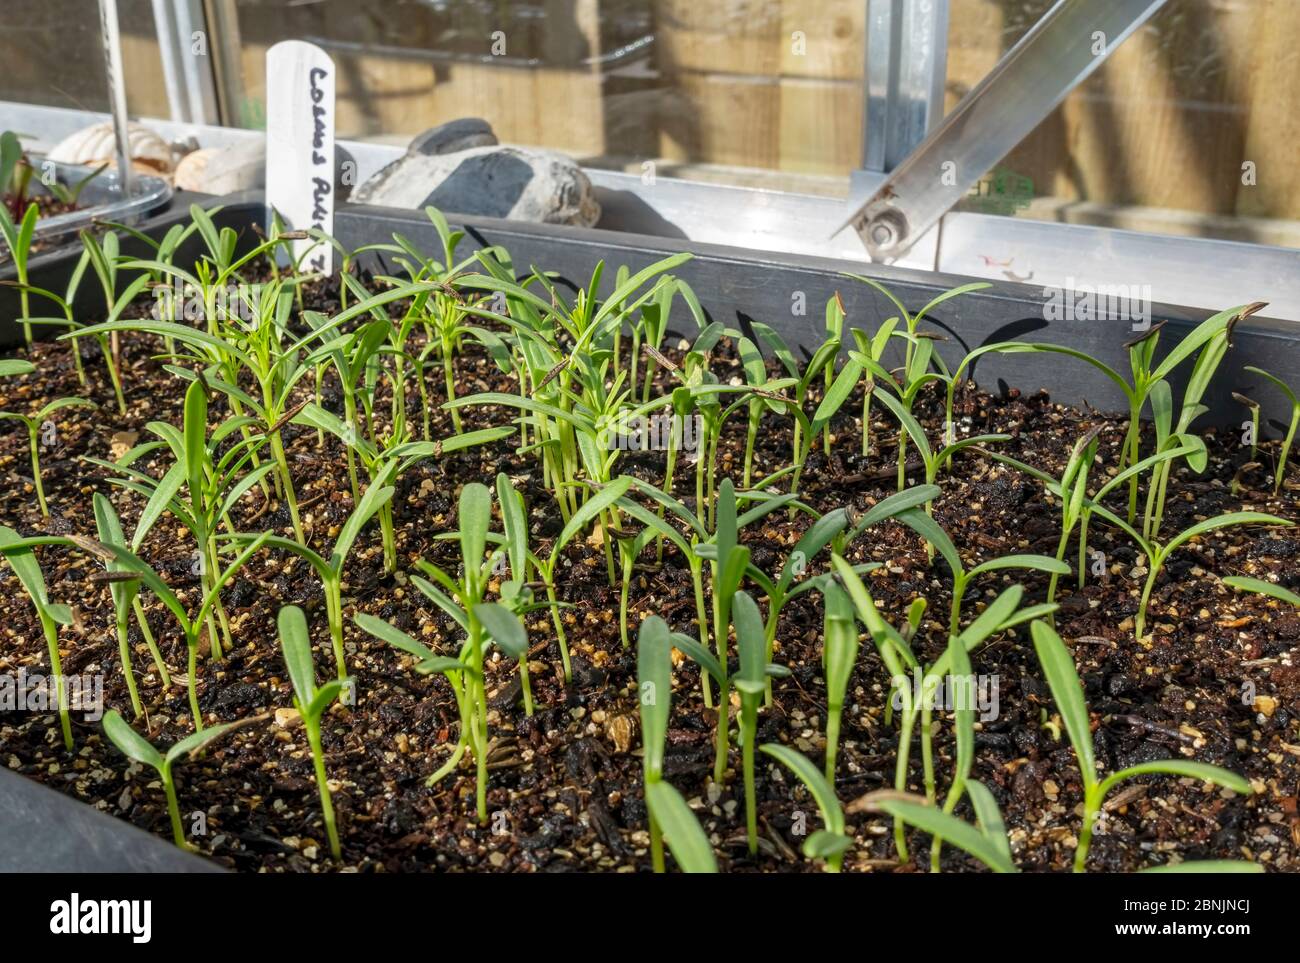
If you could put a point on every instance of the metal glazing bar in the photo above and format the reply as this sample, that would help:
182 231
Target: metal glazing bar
186 61
1032 78
112 40
906 66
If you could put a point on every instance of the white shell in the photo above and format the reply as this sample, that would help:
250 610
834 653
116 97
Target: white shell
95 145
191 170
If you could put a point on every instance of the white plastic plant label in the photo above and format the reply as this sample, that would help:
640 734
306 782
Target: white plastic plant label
300 146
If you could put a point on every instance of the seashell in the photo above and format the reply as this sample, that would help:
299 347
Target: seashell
191 171
96 145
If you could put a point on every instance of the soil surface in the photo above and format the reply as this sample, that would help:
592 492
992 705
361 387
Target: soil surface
1217 679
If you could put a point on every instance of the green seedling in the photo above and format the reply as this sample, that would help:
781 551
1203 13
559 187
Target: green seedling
1212 337
801 379
546 566
516 592
1289 438
123 585
910 427
831 842
1067 691
12 367
837 392
1072 492
104 259
482 622
18 553
311 703
915 370
830 529
35 424
191 628
330 570
96 255
15 173
689 845
214 478
565 400
1258 586
986 841
389 457
465 680
839 656
266 408
755 368
895 651
458 674
1178 435
728 560
1158 553
18 238
750 683
135 746
870 357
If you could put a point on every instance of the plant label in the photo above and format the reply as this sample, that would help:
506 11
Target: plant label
300 146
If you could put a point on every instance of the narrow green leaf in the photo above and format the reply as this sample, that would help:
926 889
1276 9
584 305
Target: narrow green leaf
951 830
133 745
686 840
1259 586
295 642
1063 680
504 627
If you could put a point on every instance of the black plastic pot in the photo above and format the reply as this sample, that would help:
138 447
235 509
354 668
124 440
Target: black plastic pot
41 830
52 268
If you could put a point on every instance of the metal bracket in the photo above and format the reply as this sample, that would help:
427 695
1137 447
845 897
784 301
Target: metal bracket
1057 54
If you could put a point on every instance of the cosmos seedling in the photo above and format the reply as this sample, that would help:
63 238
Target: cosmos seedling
664 804
459 676
330 570
483 622
986 841
1158 553
1289 438
18 238
839 656
1058 668
750 683
191 628
124 585
895 651
212 474
12 367
311 703
34 425
910 427
135 746
831 842
1258 586
870 357
546 566
18 553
